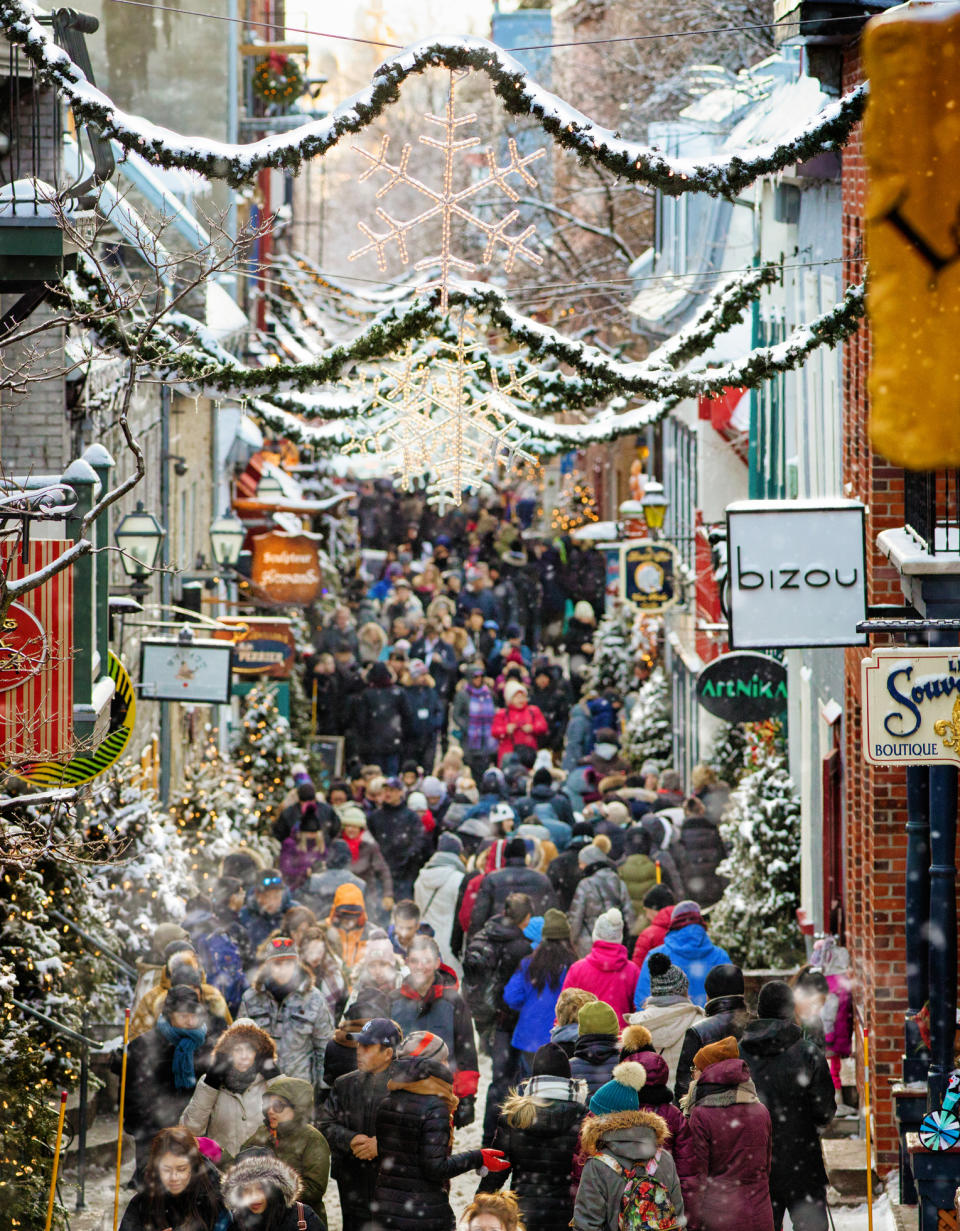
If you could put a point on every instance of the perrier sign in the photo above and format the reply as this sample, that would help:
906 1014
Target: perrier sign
743 687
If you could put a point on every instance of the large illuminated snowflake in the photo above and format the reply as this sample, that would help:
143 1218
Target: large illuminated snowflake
434 420
448 203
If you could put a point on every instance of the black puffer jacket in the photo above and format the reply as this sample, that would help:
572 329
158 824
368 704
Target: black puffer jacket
594 1059
483 987
564 874
378 722
441 1011
351 1108
726 1016
292 815
793 1081
516 877
416 1166
153 1101
402 839
699 852
539 1133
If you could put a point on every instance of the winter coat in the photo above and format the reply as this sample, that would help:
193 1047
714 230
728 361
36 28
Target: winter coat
599 890
136 1213
441 663
269 1172
152 1100
550 809
441 1011
639 874
609 974
318 890
731 1138
296 863
656 1095
216 1018
300 1024
579 737
538 1130
371 868
436 891
222 952
535 1010
500 947
634 1140
257 925
422 712
554 703
661 838
351 1108
699 851
289 820
565 1037
480 741
653 935
520 716
694 952
667 1018
515 877
298 1143
564 874
726 1017
594 1058
416 1166
403 841
793 1081
230 1116
838 1026
378 722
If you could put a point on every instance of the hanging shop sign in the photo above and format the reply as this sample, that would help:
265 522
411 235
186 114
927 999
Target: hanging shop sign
197 671
286 567
23 647
797 573
611 592
648 574
80 769
911 706
261 646
743 687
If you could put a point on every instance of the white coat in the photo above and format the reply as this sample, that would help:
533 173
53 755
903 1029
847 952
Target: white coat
436 891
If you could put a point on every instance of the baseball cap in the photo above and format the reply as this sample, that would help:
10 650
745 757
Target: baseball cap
378 1030
393 784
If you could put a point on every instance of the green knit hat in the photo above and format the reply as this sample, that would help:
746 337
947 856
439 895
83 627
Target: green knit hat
556 926
598 1018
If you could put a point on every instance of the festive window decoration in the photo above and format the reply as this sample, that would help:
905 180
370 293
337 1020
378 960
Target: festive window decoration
277 79
519 93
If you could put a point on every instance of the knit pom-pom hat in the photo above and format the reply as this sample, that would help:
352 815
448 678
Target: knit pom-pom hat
622 1092
634 1039
665 978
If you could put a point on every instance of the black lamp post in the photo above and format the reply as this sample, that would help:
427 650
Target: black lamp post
226 541
654 506
139 537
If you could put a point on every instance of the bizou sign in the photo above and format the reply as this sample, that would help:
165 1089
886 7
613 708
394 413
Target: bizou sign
795 573
911 706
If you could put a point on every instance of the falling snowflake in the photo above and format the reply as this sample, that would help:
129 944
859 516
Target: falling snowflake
446 203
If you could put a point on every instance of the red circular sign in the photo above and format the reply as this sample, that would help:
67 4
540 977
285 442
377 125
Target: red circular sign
23 647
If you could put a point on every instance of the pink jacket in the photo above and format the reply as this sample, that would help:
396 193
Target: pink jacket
607 972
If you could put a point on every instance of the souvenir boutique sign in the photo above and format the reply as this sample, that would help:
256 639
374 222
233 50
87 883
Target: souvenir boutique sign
648 574
286 567
911 706
796 573
743 687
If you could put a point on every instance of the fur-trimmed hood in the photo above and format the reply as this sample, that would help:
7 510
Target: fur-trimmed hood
597 1132
258 1169
244 1030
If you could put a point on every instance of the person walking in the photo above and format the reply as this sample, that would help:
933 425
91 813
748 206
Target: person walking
402 838
514 877
263 1194
638 872
288 1132
658 904
472 714
668 1011
437 890
600 889
699 852
180 1188
378 720
793 1080
726 1015
607 970
413 1131
535 985
688 946
366 858
732 1137
519 724
597 1050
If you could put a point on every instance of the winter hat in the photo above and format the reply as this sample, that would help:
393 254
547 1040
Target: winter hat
583 612
338 854
776 1000
569 1003
582 834
166 934
309 822
637 842
713 1053
602 843
542 777
493 783
724 980
622 1092
353 814
665 978
420 1050
609 926
410 766
551 1060
433 788
617 813
684 914
607 735
597 1018
450 844
476 827
379 675
417 801
501 814
510 690
516 848
241 864
556 925
590 855
175 947
658 897
635 1039
181 998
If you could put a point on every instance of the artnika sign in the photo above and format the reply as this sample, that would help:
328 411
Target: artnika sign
911 706
286 567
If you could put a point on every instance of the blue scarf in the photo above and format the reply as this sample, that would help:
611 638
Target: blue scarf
187 1042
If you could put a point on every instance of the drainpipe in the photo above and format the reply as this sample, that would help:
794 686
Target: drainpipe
917 904
99 458
165 587
233 60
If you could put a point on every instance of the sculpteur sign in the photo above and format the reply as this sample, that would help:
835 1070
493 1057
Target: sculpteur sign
911 706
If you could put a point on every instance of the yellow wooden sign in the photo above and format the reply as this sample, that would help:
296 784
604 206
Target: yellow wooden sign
912 147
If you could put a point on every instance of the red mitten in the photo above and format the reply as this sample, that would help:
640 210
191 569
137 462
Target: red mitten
495 1160
465 1083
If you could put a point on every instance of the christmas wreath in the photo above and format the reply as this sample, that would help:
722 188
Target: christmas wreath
278 79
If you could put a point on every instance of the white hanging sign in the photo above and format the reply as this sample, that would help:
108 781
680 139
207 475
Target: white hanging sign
185 670
911 706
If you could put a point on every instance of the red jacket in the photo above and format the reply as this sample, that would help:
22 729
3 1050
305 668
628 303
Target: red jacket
522 716
652 937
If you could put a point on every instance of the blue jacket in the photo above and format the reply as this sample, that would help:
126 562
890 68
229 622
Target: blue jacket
579 737
537 1009
694 952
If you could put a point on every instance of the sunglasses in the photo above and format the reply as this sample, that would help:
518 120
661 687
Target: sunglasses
269 881
282 944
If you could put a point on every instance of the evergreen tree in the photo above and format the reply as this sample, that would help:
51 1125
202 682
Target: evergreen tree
649 731
576 506
728 753
266 752
756 919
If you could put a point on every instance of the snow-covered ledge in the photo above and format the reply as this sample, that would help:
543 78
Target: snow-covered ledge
909 558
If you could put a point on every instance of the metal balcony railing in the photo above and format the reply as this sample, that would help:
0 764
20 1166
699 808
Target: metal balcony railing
931 509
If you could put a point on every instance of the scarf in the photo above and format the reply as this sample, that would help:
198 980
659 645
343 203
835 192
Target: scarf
431 1085
563 1089
354 844
707 1094
186 1043
480 719
236 1082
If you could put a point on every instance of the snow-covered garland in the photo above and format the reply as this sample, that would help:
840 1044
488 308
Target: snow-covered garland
520 94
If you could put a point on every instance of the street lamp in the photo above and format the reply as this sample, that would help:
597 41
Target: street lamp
632 518
226 540
139 537
654 507
270 489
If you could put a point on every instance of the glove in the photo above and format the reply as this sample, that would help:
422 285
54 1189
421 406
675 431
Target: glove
269 1069
465 1113
215 1074
387 903
495 1160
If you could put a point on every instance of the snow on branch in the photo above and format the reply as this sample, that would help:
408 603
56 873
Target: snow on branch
519 93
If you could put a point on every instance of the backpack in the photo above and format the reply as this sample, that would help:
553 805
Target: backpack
544 811
479 985
645 1204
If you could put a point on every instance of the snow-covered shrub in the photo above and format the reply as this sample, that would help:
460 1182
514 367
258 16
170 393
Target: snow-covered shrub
649 731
